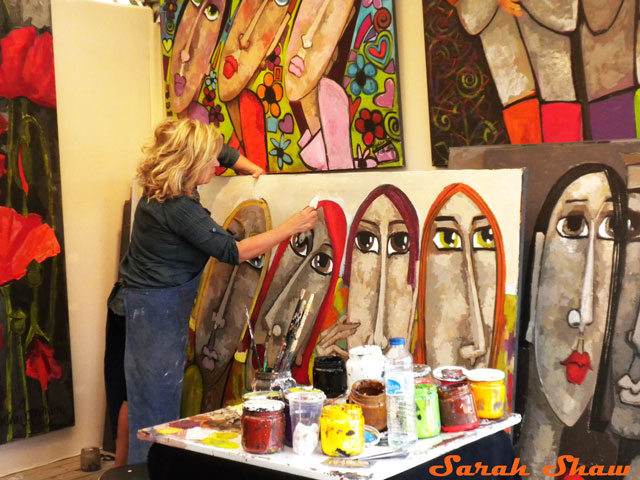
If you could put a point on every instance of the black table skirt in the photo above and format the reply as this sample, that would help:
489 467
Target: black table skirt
169 463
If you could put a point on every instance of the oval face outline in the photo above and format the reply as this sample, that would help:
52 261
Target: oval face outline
225 299
380 299
321 23
461 284
253 31
196 38
577 260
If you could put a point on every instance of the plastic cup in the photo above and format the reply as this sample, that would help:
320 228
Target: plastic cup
305 409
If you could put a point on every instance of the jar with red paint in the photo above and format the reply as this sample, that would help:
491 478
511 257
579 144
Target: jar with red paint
457 407
263 426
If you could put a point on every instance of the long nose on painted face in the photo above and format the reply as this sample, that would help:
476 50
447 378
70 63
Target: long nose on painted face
379 334
478 348
580 318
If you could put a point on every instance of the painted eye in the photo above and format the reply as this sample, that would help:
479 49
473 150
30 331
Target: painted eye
573 226
257 262
483 239
197 3
282 3
212 13
606 230
447 239
302 243
398 243
633 226
367 242
322 263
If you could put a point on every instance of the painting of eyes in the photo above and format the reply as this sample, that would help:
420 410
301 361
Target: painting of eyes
447 239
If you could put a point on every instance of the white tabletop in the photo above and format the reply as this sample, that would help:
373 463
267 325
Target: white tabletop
217 434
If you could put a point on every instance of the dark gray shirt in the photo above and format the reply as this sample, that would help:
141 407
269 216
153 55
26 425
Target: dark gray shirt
171 242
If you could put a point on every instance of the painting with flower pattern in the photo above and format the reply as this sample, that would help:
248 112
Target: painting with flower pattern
36 394
295 85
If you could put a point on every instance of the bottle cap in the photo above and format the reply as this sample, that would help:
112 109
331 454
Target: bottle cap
396 341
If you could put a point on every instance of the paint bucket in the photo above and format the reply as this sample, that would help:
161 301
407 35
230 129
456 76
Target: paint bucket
427 410
330 375
342 430
489 392
371 396
263 426
457 407
450 374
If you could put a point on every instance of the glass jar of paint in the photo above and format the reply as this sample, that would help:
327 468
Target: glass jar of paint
275 381
330 375
422 374
371 396
262 426
449 374
457 407
366 362
489 391
342 430
427 410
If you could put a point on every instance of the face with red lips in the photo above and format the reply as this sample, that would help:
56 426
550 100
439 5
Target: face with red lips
318 28
572 299
252 37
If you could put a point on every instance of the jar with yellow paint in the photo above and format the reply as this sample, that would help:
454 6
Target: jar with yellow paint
342 430
489 392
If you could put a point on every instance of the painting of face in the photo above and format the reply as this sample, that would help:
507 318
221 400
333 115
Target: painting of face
308 261
461 284
573 290
317 29
381 297
256 26
224 302
193 46
625 420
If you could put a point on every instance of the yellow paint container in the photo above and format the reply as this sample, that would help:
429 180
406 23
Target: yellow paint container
342 430
489 392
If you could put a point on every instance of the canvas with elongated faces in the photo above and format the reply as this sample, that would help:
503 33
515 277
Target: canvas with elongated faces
224 302
295 85
573 295
381 298
460 285
625 365
195 39
358 263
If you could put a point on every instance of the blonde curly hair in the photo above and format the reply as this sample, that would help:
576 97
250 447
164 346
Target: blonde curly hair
175 158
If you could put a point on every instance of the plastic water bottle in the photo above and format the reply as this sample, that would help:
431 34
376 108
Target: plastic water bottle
401 407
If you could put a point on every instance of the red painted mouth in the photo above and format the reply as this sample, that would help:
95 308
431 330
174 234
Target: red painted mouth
230 67
577 365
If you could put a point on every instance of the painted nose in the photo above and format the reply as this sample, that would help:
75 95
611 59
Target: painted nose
379 334
478 348
244 39
583 316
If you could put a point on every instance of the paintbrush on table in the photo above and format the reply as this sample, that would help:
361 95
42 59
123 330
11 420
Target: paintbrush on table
293 345
286 338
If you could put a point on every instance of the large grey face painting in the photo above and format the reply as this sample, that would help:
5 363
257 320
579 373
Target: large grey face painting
578 339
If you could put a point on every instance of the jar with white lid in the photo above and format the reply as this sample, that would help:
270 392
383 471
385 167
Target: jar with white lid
366 362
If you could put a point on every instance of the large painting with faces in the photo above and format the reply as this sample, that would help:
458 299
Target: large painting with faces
429 256
296 85
578 353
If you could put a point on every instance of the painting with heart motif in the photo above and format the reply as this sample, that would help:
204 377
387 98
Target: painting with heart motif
295 85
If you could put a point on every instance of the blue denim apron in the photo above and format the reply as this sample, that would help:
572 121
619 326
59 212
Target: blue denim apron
155 356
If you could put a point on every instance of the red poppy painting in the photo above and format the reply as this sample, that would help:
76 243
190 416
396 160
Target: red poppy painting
40 363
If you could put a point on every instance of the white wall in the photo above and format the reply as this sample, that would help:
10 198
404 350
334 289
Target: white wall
109 87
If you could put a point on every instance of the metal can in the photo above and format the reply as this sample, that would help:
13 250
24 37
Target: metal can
263 426
342 430
427 410
489 392
457 407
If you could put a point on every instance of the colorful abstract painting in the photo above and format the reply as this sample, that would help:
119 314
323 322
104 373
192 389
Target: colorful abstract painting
432 257
36 392
530 71
578 361
295 85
